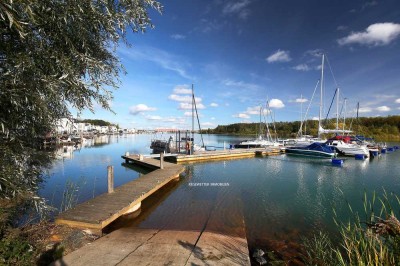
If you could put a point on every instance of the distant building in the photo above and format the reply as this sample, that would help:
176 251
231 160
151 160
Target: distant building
65 126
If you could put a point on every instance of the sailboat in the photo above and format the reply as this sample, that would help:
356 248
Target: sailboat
171 145
341 143
260 141
303 140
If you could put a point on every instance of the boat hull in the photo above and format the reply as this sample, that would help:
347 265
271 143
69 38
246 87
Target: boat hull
310 153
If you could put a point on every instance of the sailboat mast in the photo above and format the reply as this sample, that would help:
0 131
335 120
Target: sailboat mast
337 109
192 118
344 117
301 115
321 99
260 125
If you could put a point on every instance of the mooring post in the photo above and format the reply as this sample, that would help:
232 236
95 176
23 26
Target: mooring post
162 160
110 178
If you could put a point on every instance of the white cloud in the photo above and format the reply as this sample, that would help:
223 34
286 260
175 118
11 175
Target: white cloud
378 34
276 103
188 106
207 26
153 117
178 36
383 108
314 53
161 58
241 115
240 84
302 67
136 109
301 100
279 56
213 118
182 89
397 100
253 110
315 118
369 4
189 114
169 119
214 104
184 98
365 110
234 7
207 124
341 27
237 7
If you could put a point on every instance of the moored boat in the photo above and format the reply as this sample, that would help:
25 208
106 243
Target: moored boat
315 149
345 147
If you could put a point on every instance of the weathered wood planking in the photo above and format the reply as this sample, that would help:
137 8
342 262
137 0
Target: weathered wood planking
218 237
225 154
100 211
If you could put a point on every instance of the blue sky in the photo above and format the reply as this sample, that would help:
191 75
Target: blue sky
239 53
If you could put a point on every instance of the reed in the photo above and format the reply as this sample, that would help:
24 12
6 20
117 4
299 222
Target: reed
71 194
373 240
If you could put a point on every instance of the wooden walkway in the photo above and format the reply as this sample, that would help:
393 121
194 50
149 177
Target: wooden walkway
216 237
100 211
225 154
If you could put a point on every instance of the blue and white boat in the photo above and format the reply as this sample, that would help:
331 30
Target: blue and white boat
315 149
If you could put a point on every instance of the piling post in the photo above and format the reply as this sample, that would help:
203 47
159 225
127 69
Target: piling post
162 160
110 178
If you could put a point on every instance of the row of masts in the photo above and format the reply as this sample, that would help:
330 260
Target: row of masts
321 106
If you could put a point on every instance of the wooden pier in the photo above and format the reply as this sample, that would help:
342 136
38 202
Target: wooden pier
211 241
206 239
203 156
100 211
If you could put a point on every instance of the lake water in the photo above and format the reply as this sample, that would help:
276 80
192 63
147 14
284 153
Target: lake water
282 198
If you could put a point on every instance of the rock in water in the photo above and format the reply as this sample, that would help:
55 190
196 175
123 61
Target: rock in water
258 253
261 261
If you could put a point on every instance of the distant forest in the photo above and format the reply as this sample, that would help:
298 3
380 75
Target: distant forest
379 128
97 122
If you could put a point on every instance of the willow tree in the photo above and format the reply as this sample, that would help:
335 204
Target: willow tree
55 54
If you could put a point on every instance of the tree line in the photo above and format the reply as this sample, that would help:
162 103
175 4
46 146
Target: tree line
380 128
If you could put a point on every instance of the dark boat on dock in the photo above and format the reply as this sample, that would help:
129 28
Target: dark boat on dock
314 150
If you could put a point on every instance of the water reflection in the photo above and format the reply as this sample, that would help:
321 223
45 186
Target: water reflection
280 198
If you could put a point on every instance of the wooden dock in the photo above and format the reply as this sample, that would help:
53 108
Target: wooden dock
207 239
100 211
212 241
203 156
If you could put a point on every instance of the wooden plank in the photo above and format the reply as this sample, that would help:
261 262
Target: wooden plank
108 250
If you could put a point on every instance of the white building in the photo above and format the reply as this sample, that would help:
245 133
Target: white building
65 126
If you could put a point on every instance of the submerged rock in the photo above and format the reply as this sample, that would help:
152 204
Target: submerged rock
258 253
261 261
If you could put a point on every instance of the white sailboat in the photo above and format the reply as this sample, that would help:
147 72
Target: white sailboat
341 143
260 141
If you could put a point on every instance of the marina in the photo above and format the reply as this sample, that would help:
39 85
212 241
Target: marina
281 197
225 132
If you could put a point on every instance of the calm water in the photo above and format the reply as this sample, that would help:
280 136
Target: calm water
281 197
